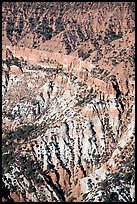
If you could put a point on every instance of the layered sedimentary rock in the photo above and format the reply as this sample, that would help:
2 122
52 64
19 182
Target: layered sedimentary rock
68 122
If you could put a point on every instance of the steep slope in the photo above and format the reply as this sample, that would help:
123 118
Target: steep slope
68 126
67 26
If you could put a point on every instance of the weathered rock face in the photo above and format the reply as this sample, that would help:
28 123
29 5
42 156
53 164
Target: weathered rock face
66 27
68 124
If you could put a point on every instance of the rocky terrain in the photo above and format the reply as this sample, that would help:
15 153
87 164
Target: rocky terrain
68 101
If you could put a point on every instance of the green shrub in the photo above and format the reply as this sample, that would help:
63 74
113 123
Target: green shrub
90 51
86 56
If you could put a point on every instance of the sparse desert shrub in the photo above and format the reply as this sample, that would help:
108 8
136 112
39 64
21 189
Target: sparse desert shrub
86 56
90 51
